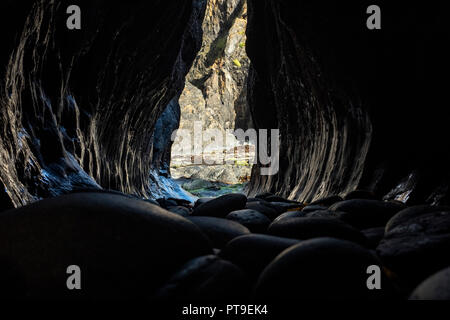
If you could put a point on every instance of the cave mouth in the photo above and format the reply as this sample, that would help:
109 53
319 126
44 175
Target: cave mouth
207 158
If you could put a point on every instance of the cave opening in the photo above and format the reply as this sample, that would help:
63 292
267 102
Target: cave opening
207 157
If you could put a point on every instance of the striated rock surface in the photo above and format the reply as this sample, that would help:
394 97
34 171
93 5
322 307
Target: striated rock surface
356 108
79 108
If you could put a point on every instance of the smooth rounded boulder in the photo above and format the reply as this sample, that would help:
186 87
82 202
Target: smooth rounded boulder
180 210
436 287
417 247
253 220
361 194
269 210
412 212
254 252
374 236
205 279
290 215
219 231
221 206
364 214
312 208
202 201
321 269
308 228
125 248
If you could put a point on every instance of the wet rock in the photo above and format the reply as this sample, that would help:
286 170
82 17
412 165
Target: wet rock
374 236
201 201
286 206
182 211
166 203
323 214
364 214
255 251
307 228
219 230
181 202
410 213
265 208
221 206
312 208
289 215
417 247
109 236
361 194
253 220
436 287
322 268
328 201
205 279
154 202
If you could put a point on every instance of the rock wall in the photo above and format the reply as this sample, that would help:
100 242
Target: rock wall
215 91
79 107
215 94
357 108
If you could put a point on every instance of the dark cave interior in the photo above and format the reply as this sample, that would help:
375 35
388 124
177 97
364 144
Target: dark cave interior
92 112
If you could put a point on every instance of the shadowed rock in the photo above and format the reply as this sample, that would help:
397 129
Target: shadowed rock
361 194
255 251
269 210
219 230
374 236
417 247
307 228
125 247
221 206
328 201
205 279
322 268
436 287
289 215
364 214
412 212
253 220
312 208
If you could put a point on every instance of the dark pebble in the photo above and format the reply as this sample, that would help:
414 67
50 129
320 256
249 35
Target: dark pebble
320 269
417 247
255 251
374 236
307 228
205 279
364 214
221 206
290 215
436 287
220 231
361 194
182 211
253 220
125 247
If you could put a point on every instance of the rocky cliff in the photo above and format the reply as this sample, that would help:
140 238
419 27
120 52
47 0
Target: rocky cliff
215 94
79 107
